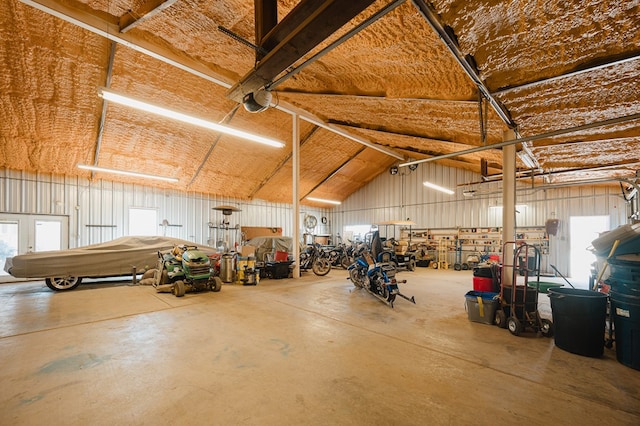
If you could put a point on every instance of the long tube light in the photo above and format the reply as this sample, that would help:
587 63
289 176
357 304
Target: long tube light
527 160
127 173
111 96
322 200
438 188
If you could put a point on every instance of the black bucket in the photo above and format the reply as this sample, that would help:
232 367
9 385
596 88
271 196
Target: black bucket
579 320
626 318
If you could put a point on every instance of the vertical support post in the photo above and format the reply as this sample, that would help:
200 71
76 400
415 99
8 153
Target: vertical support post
296 193
508 204
266 17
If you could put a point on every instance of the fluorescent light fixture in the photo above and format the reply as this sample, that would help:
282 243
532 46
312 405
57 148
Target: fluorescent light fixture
322 200
126 173
438 188
527 160
115 97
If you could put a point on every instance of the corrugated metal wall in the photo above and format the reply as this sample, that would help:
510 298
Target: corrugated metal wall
403 196
98 211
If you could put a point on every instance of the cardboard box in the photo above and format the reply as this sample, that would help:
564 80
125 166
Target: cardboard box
246 251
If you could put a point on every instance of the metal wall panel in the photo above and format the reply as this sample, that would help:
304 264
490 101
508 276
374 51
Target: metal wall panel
98 210
388 197
432 209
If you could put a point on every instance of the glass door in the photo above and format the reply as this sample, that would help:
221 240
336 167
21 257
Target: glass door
8 243
24 233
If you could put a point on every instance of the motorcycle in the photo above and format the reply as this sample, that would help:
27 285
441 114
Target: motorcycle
338 256
376 278
311 257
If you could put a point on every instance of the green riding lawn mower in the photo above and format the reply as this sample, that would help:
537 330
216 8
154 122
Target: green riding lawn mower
184 269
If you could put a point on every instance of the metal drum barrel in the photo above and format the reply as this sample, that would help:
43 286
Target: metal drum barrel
226 268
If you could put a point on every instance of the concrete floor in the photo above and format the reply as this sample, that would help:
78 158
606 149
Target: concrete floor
308 351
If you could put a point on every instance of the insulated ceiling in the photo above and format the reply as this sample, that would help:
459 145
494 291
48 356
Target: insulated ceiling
390 93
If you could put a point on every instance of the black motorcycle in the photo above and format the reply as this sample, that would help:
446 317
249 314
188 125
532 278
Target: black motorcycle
376 278
338 256
312 257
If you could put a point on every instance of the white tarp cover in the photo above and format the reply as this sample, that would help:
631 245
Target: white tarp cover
113 258
266 245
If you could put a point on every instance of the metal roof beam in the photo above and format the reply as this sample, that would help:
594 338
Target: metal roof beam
281 164
560 132
378 98
433 19
145 11
334 172
111 31
355 30
266 17
103 112
306 26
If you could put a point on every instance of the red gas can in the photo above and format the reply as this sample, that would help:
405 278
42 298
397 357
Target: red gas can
484 284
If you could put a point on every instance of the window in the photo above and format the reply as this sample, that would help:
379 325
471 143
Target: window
356 233
143 221
48 235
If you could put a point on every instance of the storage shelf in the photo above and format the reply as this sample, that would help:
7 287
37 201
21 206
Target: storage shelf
484 240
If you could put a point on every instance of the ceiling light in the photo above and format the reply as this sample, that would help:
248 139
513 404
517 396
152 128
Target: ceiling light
527 160
112 96
393 170
438 188
126 173
322 200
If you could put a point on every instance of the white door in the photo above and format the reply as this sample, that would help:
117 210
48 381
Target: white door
583 230
23 233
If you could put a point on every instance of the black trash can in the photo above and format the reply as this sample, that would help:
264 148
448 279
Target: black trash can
626 318
579 318
625 276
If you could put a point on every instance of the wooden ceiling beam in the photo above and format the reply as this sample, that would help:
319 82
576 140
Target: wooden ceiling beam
306 26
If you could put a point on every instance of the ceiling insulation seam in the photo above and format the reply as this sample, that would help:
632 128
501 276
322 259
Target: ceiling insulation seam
530 138
226 120
566 75
334 172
